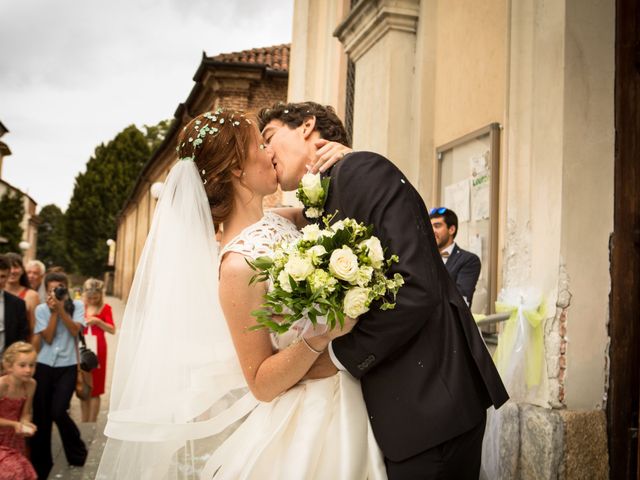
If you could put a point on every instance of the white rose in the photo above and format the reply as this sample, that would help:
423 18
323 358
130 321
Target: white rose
283 280
313 212
375 253
356 302
339 225
316 253
311 232
343 264
312 187
299 267
364 275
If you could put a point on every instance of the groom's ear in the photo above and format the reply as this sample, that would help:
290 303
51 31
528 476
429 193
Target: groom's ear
308 126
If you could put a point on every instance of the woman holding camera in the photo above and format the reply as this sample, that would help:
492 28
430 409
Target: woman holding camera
58 322
99 319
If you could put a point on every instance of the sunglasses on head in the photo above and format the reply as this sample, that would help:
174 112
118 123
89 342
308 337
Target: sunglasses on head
437 211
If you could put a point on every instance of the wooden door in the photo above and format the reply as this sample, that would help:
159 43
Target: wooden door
624 327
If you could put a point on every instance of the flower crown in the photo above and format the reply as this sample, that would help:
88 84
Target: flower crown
216 122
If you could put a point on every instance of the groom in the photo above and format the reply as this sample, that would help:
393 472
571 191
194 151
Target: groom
426 375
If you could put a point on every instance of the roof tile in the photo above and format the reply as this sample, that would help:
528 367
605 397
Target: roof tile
275 57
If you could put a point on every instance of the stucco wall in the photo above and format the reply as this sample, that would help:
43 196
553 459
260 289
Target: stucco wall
560 175
471 66
588 194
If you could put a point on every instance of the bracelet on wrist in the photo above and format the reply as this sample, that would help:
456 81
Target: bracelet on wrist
316 351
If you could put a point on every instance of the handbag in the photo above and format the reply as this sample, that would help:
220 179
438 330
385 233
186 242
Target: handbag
87 359
84 384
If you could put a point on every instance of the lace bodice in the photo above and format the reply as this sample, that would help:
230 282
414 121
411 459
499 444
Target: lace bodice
258 240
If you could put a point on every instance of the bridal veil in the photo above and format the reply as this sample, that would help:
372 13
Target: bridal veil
177 384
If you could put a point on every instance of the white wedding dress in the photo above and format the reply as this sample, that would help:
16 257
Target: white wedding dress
318 429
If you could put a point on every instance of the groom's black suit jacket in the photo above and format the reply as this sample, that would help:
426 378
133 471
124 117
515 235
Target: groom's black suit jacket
425 371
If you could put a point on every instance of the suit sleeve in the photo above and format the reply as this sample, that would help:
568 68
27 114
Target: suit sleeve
468 276
23 323
372 190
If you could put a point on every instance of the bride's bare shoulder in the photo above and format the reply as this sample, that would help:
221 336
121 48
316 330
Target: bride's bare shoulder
233 264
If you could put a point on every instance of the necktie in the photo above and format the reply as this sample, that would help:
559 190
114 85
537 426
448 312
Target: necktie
444 254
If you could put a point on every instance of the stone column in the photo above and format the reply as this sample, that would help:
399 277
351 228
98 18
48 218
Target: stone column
380 37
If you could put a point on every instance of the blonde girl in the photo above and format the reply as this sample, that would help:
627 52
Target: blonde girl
17 387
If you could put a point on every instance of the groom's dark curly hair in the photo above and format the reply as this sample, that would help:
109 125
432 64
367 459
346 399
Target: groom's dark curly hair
328 124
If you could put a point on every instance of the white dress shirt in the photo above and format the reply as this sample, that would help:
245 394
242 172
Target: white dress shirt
448 250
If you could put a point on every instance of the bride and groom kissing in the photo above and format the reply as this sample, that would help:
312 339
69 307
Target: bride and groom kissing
398 394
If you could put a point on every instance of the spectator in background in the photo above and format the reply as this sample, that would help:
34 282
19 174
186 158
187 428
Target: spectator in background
464 267
13 312
18 285
35 274
99 319
58 323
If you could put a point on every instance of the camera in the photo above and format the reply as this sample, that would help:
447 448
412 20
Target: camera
60 292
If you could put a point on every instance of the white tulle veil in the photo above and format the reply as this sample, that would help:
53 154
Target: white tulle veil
177 383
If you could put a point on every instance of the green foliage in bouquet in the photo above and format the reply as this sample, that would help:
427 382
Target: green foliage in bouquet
333 272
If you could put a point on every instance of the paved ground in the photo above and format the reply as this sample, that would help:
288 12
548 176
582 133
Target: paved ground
91 432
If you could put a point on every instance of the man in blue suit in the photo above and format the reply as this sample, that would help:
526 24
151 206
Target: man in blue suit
464 267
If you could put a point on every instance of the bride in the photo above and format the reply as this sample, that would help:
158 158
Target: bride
180 406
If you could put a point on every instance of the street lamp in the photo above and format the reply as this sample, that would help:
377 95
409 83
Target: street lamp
111 243
156 189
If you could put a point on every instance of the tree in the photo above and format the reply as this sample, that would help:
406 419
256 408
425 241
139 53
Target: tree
98 196
52 240
156 134
11 214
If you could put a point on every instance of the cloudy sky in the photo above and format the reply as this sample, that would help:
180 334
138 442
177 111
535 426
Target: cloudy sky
75 73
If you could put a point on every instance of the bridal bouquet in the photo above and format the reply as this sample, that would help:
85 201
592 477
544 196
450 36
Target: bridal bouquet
325 275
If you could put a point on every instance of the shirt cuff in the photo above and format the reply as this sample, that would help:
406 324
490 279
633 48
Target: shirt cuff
334 359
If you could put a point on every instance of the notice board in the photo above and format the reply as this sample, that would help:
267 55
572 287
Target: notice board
467 183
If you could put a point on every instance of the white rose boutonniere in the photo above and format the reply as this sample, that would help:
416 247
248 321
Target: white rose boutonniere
312 192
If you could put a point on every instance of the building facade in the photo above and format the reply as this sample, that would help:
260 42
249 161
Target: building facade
246 80
29 222
503 110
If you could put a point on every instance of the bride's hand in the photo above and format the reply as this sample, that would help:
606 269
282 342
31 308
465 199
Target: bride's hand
327 154
319 337
337 331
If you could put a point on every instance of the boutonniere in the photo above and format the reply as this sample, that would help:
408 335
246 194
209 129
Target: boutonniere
312 192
